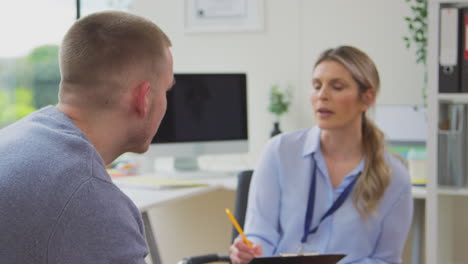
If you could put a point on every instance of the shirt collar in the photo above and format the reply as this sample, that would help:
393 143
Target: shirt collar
312 141
351 176
312 146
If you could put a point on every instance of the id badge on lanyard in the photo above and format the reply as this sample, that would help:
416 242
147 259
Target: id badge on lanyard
311 203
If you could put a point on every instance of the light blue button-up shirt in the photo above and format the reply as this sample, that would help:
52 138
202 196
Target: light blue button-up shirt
278 202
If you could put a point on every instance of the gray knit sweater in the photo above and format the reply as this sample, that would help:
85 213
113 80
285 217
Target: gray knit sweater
57 202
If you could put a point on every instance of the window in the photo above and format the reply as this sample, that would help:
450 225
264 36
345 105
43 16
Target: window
29 74
31 34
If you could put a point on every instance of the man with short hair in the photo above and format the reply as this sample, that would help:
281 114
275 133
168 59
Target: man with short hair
57 202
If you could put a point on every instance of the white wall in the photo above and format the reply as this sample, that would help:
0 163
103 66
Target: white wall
296 31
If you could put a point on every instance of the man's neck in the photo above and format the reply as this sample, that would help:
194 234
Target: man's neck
96 129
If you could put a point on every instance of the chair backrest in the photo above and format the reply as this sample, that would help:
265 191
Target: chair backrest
242 195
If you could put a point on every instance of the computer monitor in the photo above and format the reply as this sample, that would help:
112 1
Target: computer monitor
206 114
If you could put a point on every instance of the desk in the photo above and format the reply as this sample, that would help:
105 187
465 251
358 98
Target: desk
146 199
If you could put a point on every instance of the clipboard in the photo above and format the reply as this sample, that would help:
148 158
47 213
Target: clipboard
314 259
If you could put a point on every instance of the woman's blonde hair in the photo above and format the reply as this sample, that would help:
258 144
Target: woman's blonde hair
375 177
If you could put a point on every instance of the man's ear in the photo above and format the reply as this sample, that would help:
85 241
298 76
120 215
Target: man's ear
142 98
368 98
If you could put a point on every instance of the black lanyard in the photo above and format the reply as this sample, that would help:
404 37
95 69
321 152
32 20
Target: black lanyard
310 205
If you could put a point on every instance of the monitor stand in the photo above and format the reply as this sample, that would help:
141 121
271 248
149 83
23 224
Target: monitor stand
186 164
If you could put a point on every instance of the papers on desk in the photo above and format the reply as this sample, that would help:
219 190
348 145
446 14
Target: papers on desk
153 182
299 259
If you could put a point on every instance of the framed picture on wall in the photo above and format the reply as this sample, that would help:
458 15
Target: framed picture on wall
223 15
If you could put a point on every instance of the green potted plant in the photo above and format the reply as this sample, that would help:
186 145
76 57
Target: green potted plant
280 100
417 26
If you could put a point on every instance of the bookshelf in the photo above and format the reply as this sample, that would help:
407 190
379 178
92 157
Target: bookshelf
453 97
446 230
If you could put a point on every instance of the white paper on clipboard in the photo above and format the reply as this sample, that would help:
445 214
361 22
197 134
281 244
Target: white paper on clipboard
402 123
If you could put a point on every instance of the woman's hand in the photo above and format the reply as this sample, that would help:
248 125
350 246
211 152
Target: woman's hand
243 254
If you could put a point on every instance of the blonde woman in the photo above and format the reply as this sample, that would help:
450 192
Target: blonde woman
331 188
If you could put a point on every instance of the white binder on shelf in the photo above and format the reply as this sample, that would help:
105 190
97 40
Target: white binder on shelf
449 68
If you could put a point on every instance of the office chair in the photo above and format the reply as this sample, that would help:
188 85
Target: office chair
242 194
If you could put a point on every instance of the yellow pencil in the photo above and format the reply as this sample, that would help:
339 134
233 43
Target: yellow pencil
239 229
